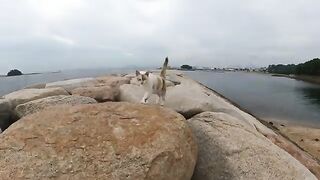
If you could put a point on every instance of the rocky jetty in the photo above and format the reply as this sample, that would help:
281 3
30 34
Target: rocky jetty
68 130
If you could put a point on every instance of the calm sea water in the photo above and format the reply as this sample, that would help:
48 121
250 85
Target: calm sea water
10 84
267 97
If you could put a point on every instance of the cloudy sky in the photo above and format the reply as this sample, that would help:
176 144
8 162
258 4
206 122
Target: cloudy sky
48 35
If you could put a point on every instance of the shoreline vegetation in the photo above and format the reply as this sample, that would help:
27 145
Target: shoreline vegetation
200 105
308 71
306 78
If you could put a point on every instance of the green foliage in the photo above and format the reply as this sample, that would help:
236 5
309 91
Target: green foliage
308 68
186 67
14 72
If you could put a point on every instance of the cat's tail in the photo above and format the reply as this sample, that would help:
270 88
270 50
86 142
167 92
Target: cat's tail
164 68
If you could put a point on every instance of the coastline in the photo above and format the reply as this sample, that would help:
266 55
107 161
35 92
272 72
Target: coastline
200 99
306 78
304 137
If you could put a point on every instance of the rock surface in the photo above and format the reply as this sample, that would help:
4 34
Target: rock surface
40 104
112 81
101 94
36 86
99 141
229 149
105 89
71 84
26 95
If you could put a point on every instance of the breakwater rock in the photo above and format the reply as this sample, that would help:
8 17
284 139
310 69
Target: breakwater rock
67 130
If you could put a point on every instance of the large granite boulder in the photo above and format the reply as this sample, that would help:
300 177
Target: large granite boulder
40 104
99 141
105 89
71 84
36 86
89 83
189 98
112 81
230 149
26 95
101 94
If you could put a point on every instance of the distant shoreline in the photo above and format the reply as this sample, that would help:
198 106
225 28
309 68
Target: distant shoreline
307 78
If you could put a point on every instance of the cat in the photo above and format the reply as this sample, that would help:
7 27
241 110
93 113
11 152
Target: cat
154 84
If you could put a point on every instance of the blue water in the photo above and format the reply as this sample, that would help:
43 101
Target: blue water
267 97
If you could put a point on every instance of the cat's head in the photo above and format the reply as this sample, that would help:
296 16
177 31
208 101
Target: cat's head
142 78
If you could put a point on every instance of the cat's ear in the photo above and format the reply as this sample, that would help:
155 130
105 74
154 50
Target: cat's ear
147 73
137 73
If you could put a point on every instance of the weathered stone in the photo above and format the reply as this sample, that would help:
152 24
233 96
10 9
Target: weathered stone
99 141
71 84
26 95
36 86
101 94
40 104
112 81
230 149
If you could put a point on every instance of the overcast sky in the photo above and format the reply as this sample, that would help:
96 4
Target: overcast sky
48 35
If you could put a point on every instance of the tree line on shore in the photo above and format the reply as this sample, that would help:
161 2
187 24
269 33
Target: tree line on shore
311 67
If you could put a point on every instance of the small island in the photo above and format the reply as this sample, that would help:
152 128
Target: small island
14 72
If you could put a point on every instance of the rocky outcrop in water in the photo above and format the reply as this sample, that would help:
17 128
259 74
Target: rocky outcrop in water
99 141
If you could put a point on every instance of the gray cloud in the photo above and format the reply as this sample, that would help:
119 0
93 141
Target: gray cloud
58 34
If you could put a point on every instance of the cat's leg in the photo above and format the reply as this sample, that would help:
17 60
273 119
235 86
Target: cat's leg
145 98
162 99
158 99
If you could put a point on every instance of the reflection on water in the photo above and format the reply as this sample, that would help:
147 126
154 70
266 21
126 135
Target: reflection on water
267 97
312 94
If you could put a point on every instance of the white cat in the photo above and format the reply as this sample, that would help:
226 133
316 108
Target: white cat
154 84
